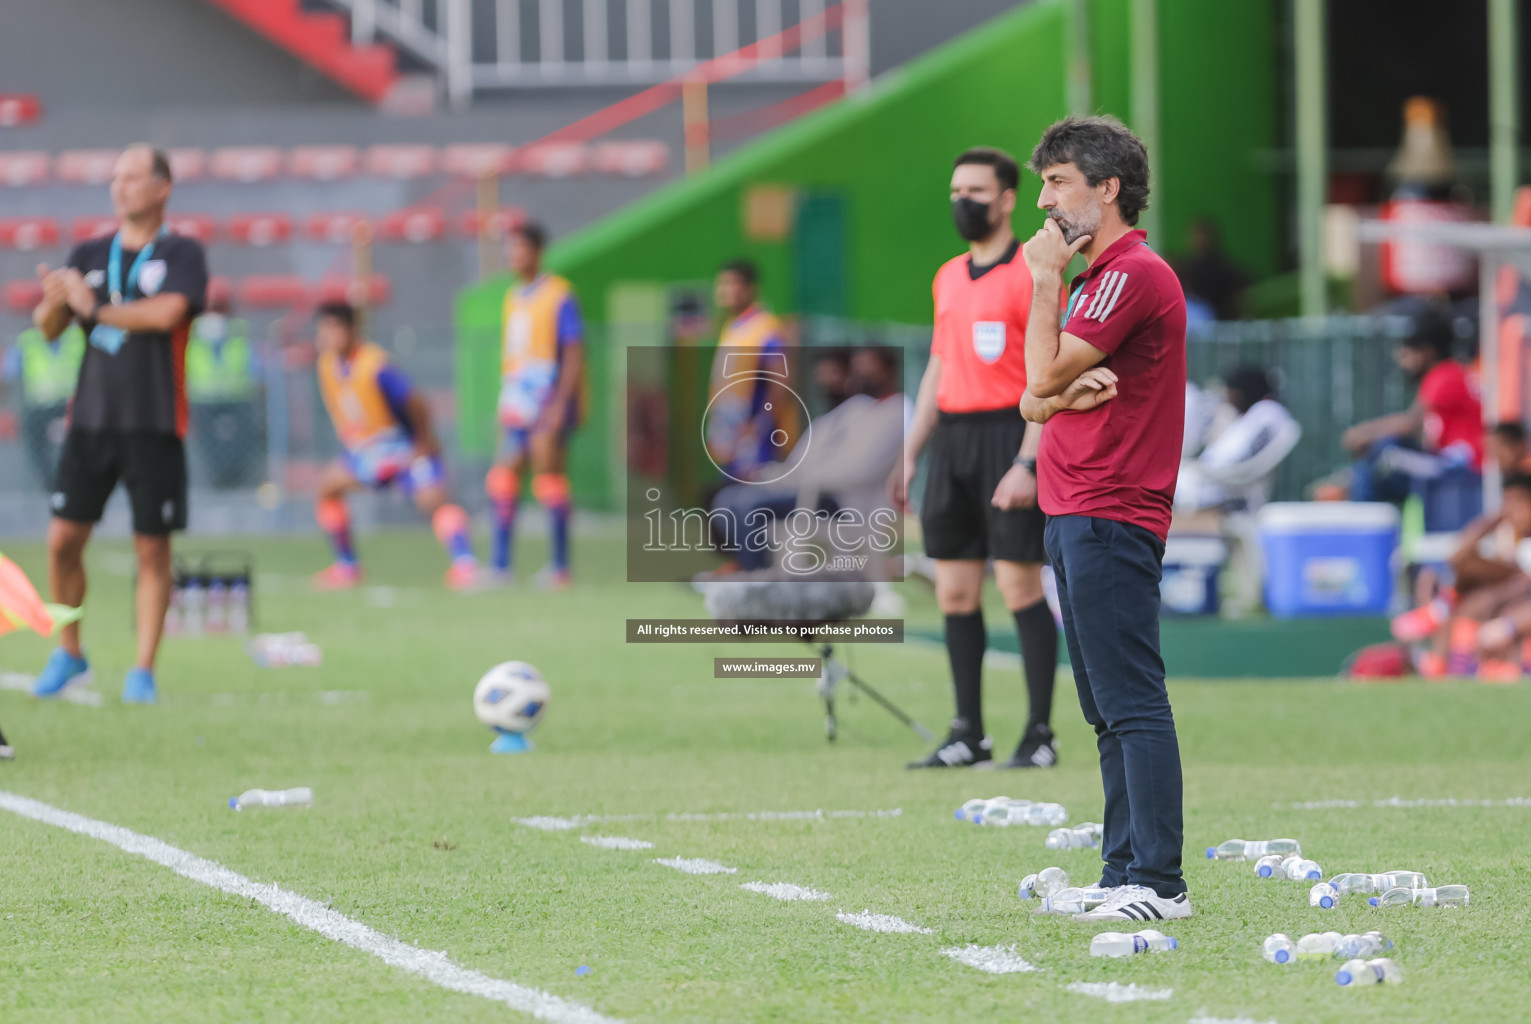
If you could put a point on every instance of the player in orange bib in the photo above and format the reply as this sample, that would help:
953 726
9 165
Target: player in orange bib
748 400
541 384
385 429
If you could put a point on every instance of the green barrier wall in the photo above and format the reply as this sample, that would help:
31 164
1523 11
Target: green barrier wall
869 176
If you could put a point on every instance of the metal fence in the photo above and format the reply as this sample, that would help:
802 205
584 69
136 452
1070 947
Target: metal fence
255 462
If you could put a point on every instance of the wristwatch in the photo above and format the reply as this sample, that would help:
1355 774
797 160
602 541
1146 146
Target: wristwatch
1029 463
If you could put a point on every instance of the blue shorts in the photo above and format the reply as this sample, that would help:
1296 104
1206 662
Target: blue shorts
515 440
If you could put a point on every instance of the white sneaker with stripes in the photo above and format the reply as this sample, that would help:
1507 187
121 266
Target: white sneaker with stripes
1138 903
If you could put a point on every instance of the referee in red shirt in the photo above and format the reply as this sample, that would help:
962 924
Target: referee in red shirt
1107 482
981 489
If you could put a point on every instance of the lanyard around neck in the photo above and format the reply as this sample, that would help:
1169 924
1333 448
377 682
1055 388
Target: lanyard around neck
114 265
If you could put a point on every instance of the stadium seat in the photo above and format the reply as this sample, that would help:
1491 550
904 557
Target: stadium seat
323 163
93 227
402 162
497 224
200 226
23 168
187 164
85 166
272 291
259 229
635 159
342 288
334 228
18 108
22 295
414 224
474 160
551 160
247 163
28 233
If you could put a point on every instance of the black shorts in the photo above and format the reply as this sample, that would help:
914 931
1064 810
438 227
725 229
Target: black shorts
969 453
151 466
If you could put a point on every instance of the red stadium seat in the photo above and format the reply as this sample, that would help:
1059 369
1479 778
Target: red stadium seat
247 163
340 288
220 289
552 160
630 159
260 229
497 224
28 233
93 227
474 160
415 224
323 163
23 295
85 166
273 291
193 225
334 228
187 164
23 167
17 108
404 162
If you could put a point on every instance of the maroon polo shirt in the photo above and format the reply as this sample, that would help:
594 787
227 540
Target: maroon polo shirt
1119 460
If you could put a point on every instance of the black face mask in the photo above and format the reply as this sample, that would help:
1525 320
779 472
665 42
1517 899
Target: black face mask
971 218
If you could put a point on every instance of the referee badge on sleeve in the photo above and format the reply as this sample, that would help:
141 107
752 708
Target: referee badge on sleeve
989 339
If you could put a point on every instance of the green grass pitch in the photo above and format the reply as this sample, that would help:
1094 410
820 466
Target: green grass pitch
412 829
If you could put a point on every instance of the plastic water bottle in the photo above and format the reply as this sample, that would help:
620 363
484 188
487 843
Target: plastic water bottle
1072 839
1401 879
217 606
1323 895
1360 972
1247 849
1047 882
1317 945
980 809
1027 813
239 606
1364 946
300 797
1268 865
1074 900
1440 896
1302 870
1123 944
971 807
1279 949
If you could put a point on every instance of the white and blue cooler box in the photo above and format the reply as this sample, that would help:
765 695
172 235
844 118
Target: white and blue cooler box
1326 558
1191 568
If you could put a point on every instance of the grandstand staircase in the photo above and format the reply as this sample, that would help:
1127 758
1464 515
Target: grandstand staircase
321 40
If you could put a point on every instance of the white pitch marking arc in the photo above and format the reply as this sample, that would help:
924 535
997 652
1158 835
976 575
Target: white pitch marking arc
432 965
887 923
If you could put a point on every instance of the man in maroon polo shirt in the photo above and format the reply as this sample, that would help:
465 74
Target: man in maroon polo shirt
1106 479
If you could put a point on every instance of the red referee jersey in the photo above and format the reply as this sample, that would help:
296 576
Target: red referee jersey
980 333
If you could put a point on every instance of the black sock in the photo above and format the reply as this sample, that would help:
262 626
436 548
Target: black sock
965 644
1039 655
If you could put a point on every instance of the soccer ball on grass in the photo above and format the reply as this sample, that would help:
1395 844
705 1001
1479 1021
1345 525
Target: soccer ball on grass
511 699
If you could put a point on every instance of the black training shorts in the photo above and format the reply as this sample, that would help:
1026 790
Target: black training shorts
151 466
969 453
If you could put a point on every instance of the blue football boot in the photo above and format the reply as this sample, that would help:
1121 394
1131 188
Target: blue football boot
62 669
138 687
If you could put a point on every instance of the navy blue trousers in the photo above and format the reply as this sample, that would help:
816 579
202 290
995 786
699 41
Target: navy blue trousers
1108 583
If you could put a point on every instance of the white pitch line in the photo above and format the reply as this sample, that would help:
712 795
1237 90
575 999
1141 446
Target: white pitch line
617 842
432 965
991 959
1115 992
696 866
1203 1018
883 923
557 823
1396 801
784 891
75 693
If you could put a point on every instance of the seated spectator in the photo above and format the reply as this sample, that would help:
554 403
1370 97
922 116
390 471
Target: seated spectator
1507 448
851 451
1234 472
1211 280
1443 429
